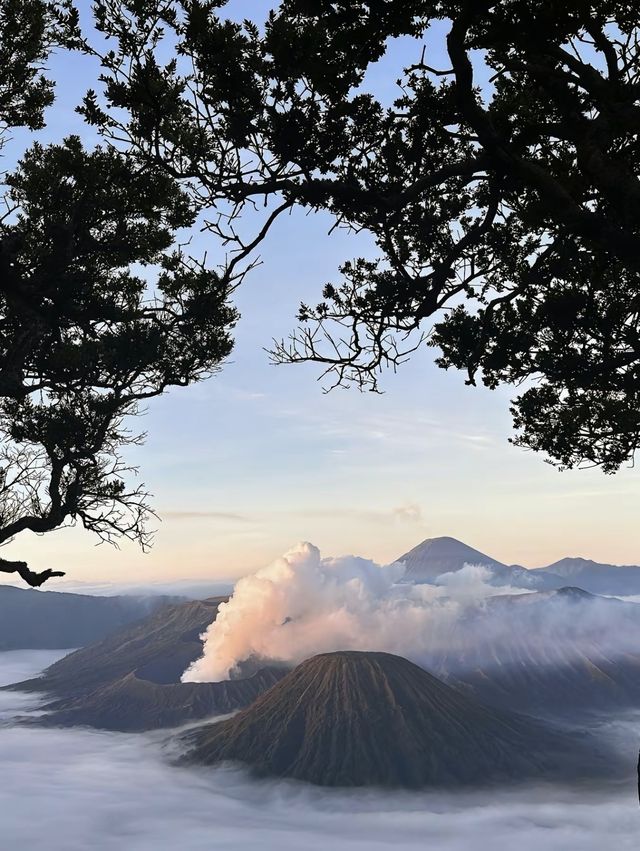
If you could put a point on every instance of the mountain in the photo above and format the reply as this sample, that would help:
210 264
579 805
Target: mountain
160 647
435 556
551 653
130 681
620 580
358 718
133 704
45 620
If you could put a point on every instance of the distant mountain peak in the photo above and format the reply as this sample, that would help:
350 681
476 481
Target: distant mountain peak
443 540
593 576
573 592
435 556
572 561
446 543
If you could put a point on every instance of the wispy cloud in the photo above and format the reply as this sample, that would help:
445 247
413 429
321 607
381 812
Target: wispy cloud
407 431
477 439
411 512
206 515
591 493
247 395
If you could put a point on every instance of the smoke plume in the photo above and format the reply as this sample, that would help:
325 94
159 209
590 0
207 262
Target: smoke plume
302 604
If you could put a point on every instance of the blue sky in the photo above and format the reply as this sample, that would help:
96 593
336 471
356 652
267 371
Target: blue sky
257 458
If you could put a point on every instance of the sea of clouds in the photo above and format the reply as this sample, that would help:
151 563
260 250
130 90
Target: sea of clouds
73 790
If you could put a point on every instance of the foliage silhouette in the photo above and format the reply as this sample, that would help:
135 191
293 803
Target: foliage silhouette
501 190
86 333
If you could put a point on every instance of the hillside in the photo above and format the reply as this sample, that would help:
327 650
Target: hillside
548 653
130 681
32 619
133 704
354 718
551 653
161 645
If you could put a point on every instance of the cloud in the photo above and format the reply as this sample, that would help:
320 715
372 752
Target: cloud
248 395
70 790
298 598
193 588
401 432
205 515
407 513
19 665
410 512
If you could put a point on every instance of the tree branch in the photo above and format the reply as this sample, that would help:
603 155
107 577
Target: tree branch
35 580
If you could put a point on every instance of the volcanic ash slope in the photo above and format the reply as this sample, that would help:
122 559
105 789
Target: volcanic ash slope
356 718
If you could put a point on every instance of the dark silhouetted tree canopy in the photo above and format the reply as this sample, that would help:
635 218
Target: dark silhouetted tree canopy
85 334
501 188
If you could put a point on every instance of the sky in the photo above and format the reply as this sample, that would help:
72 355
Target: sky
257 458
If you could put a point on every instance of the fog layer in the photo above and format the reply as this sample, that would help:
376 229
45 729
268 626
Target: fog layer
70 790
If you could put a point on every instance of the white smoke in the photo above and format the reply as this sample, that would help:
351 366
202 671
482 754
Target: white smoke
303 604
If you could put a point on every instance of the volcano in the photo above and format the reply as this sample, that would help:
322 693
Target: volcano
359 718
436 556
130 681
134 703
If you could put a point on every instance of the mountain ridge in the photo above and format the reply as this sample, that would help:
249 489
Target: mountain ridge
522 652
597 577
433 557
169 638
134 704
37 619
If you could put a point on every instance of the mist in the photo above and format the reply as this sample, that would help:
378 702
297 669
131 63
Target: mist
69 790
303 604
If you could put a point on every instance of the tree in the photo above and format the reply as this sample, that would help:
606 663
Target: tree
502 189
85 336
